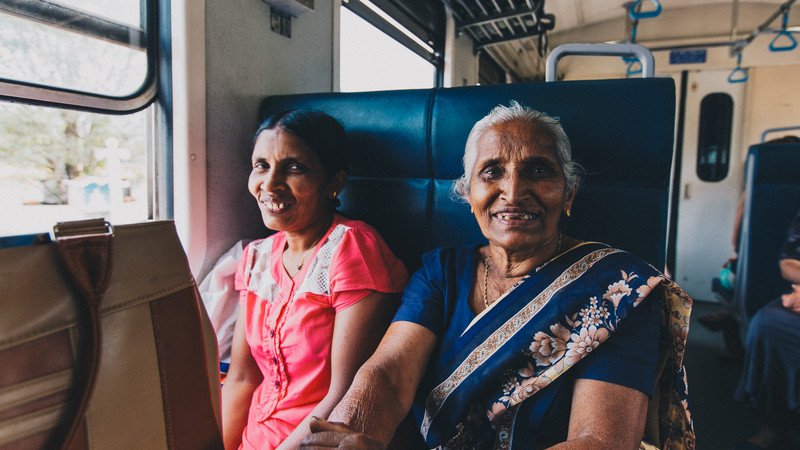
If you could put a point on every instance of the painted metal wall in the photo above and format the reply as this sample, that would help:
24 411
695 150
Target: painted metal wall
246 61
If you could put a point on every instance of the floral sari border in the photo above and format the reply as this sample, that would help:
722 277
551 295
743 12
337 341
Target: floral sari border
481 353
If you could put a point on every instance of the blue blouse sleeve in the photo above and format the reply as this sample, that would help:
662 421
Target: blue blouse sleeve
630 356
423 298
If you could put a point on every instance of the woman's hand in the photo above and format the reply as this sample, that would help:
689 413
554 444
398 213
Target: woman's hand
357 331
380 395
326 434
791 301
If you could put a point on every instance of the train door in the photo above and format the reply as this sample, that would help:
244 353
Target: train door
711 177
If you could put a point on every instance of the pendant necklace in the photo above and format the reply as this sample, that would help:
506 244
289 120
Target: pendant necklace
311 247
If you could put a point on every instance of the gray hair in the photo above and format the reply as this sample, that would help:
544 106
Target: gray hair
505 114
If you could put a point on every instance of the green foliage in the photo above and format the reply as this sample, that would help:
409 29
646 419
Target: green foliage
50 146
55 144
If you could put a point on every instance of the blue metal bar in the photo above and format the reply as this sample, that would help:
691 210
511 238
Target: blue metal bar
776 130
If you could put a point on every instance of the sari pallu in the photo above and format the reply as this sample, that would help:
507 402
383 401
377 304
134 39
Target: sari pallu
540 329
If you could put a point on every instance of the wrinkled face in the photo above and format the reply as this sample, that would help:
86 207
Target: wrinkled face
289 182
517 189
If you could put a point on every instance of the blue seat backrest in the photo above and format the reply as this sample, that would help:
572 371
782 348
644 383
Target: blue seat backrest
406 150
772 198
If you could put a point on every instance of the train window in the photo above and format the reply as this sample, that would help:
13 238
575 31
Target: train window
95 47
371 59
60 164
714 137
76 79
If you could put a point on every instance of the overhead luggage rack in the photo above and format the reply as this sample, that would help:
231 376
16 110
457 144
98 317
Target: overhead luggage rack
492 22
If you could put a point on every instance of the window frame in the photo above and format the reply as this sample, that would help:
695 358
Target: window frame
435 57
53 14
715 129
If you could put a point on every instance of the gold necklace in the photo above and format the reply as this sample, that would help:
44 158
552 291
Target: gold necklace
305 253
486 270
303 259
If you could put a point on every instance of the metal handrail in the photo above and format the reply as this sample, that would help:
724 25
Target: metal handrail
775 130
640 52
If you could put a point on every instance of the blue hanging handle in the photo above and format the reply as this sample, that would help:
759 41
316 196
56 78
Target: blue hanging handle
644 14
738 75
773 47
634 65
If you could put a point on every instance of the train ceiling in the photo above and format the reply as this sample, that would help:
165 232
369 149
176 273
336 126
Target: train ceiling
517 34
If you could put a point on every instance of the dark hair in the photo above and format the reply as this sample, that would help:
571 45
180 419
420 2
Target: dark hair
788 139
323 134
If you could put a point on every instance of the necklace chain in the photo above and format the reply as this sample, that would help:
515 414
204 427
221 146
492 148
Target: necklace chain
311 247
486 270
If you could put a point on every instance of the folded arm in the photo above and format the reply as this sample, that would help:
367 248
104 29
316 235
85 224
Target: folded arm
790 270
605 416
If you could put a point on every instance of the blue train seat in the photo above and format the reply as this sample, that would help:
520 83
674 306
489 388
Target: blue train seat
406 149
772 198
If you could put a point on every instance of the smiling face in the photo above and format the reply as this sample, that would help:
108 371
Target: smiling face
518 188
290 183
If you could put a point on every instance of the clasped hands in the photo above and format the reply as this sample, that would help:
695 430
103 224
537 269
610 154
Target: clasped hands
326 434
791 301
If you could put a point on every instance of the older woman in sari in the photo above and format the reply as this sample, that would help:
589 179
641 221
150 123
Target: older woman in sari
534 340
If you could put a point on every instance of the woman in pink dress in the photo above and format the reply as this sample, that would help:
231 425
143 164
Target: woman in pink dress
315 298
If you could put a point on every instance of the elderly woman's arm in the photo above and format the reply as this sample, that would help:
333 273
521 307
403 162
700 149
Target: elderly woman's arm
790 270
357 330
605 416
382 390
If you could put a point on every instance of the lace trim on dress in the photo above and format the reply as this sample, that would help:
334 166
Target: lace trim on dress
317 279
260 280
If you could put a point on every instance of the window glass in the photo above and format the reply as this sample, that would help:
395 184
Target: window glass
714 137
122 11
60 162
58 165
62 46
371 60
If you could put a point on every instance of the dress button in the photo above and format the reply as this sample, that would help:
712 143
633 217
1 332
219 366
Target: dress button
271 333
277 384
274 360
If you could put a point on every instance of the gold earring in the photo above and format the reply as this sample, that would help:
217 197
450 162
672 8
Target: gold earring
471 210
334 194
568 211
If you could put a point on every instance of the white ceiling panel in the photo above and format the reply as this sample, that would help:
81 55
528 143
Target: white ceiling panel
510 26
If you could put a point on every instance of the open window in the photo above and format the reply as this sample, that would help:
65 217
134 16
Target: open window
714 137
77 84
383 47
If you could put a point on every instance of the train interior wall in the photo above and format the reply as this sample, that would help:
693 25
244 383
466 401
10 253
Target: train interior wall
241 62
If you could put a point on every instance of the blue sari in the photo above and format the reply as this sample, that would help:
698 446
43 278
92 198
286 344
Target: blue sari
544 326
